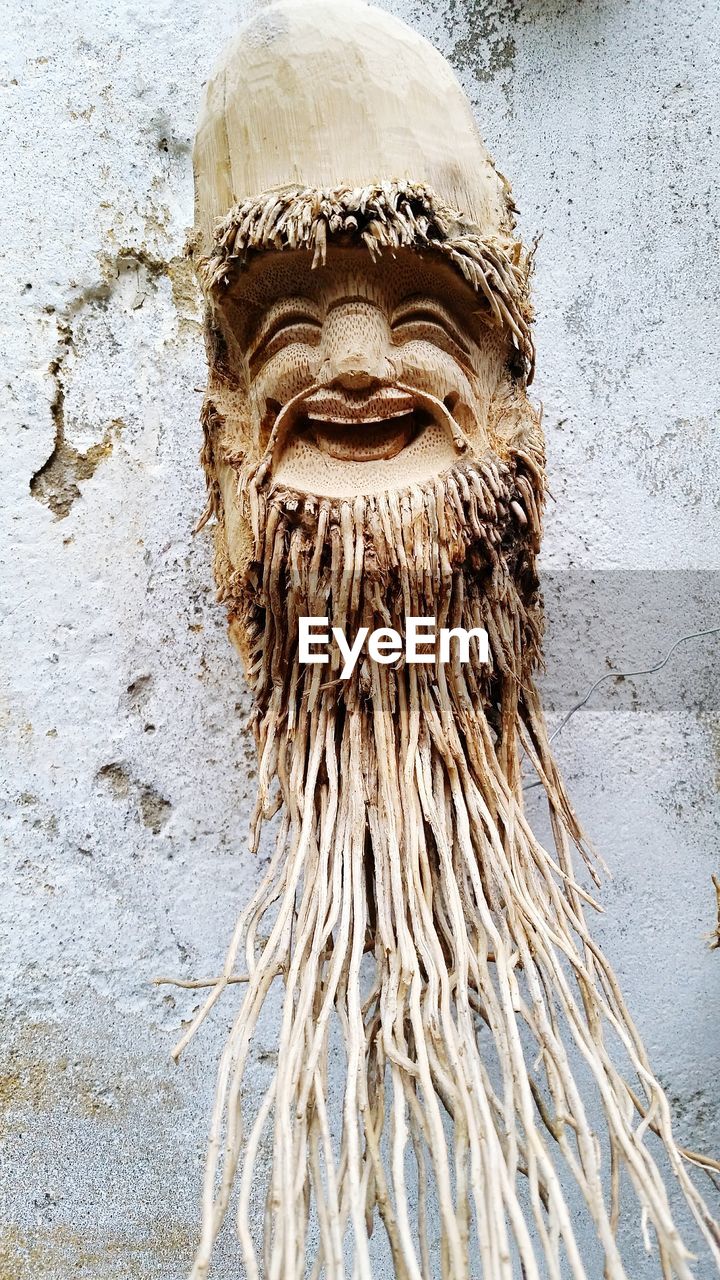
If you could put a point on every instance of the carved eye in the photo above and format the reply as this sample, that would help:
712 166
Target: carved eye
415 321
296 325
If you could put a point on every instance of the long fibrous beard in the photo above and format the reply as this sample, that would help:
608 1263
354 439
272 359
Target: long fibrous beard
438 985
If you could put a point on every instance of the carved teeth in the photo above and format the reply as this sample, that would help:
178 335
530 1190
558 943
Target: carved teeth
357 420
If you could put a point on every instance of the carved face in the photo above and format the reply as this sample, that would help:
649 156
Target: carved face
356 378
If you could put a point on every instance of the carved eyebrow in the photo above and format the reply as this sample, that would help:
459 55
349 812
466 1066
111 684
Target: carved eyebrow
427 310
288 312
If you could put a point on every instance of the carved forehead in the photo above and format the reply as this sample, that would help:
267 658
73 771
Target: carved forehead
270 279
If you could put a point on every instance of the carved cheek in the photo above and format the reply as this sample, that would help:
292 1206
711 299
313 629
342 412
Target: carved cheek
284 375
424 365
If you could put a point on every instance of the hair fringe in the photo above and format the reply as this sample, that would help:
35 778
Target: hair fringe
387 216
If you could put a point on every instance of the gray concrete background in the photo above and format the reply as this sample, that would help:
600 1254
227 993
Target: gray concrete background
126 764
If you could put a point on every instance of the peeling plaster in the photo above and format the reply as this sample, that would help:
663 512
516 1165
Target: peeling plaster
55 483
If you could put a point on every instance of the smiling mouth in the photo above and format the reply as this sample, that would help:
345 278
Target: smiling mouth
359 426
340 443
373 440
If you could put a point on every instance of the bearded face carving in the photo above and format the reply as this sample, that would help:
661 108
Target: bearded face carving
361 377
372 456
337 384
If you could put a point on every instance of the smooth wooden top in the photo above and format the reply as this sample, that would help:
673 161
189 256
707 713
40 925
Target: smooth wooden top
327 92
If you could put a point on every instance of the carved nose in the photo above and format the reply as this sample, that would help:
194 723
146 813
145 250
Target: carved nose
355 345
354 375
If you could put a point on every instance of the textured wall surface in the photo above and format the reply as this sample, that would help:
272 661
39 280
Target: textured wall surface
126 763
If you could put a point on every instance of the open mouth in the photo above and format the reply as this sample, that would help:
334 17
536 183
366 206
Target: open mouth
339 443
370 441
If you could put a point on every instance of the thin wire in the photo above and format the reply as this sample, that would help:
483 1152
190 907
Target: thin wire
643 671
617 675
